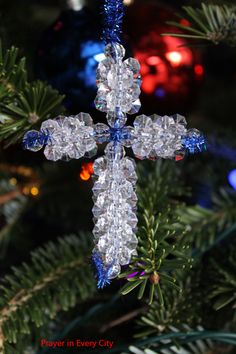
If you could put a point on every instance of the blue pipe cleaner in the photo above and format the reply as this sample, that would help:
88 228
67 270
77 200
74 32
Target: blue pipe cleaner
102 271
113 18
194 144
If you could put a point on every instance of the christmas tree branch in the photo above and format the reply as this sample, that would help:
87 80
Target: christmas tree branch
215 23
207 227
57 277
162 249
23 104
160 344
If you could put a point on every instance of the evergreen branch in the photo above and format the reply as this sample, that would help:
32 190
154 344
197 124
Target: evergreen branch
215 23
205 227
161 249
178 312
162 343
224 289
13 75
58 275
22 104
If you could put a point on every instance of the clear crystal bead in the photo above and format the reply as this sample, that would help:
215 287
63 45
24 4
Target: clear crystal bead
114 151
127 102
134 91
132 241
102 71
126 189
124 256
85 118
50 126
103 243
127 78
112 78
111 101
115 51
116 119
100 165
180 119
102 133
135 107
133 65
114 271
143 136
53 153
111 254
128 136
101 101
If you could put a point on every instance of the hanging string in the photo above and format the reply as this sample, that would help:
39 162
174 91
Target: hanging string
113 18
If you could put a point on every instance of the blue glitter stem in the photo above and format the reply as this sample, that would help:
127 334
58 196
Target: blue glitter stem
102 271
113 18
194 144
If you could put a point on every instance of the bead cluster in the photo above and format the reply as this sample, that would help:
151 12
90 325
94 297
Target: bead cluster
115 208
118 84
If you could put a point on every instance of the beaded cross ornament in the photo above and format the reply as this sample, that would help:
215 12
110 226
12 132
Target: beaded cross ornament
73 137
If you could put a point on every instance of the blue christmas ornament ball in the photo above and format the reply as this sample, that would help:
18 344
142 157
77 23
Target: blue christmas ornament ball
232 178
68 55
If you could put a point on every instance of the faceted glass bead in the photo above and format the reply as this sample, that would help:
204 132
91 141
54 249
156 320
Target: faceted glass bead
124 256
126 189
135 92
76 151
110 254
71 123
111 101
101 101
33 140
127 78
103 67
128 136
115 51
132 241
112 78
116 119
143 136
103 243
85 118
114 151
133 65
100 165
53 153
128 166
165 122
132 219
50 126
142 122
135 107
101 133
114 271
102 200
180 119
127 102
